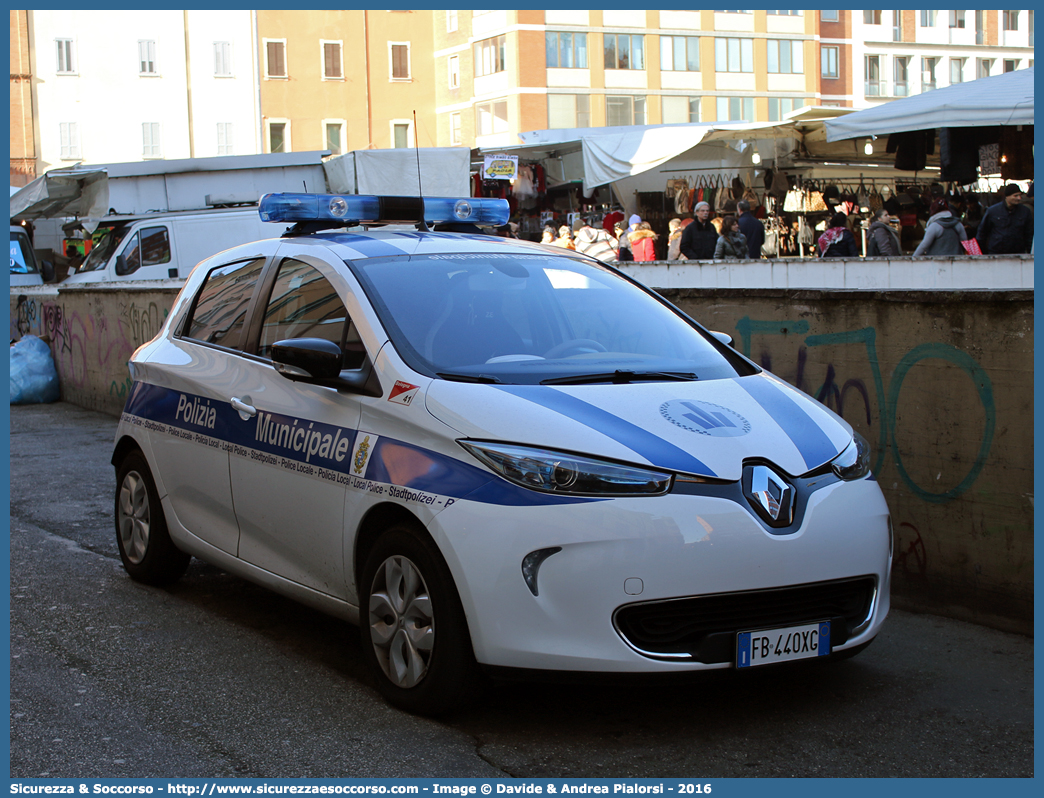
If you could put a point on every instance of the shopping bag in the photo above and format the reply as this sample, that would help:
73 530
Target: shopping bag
971 246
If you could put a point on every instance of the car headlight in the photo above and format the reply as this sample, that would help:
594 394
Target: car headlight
854 461
558 472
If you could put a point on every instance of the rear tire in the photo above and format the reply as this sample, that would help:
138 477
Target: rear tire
147 552
414 633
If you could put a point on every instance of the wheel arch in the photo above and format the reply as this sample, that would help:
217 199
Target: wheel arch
377 519
123 447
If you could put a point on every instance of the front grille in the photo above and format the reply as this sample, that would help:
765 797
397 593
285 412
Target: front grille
703 628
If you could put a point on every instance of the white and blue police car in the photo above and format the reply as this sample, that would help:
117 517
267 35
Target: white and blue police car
492 456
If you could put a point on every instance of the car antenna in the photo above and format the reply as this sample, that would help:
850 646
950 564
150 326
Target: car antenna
421 224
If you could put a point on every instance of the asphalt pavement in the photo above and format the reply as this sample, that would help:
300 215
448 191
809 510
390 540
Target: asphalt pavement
215 677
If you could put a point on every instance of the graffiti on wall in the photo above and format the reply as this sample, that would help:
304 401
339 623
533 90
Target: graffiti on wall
837 394
86 345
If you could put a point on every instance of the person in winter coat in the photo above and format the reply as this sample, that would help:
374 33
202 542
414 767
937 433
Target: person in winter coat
674 234
594 242
643 242
1007 227
838 241
752 228
731 243
700 238
944 233
881 238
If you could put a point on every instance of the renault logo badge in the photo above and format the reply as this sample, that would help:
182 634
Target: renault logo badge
769 494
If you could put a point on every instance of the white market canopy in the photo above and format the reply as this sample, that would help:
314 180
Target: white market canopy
1000 100
613 153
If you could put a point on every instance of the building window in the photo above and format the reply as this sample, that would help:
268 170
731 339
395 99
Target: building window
902 76
828 16
928 19
222 59
278 140
453 64
275 59
874 86
224 138
897 26
451 21
400 135
69 134
680 109
490 56
980 27
778 106
150 140
1029 26
333 137
332 61
733 55
565 50
871 17
146 57
784 13
491 117
566 111
454 120
399 60
735 109
680 53
786 57
957 19
983 67
1011 64
956 70
625 110
66 52
828 62
1011 20
928 78
624 51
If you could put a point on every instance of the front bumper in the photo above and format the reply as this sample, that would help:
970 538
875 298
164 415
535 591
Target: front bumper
644 552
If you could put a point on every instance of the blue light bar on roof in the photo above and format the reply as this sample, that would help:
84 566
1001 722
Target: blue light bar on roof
350 209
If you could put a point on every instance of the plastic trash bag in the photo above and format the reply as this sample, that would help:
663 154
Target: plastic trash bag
34 378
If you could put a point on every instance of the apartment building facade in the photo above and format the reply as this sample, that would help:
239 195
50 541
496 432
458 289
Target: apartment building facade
108 87
868 57
345 80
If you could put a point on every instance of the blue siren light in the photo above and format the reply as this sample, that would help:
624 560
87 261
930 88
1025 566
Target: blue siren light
352 209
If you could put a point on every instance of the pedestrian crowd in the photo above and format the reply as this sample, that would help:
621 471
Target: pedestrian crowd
1006 227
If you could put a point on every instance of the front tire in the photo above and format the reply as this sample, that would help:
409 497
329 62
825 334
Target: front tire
414 634
147 552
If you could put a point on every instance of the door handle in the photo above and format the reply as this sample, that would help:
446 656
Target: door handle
245 410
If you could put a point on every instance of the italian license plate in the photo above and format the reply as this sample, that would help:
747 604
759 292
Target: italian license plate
765 646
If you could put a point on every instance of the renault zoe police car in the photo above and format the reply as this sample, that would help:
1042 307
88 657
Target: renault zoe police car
490 454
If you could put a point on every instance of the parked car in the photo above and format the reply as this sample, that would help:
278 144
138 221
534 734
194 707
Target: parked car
163 246
24 268
493 457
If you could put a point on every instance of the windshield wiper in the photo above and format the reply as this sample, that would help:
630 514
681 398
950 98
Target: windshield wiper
620 377
485 378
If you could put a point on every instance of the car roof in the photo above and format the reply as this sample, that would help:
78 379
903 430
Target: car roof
378 243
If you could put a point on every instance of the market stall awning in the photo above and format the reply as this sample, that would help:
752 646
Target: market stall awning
61 193
1000 100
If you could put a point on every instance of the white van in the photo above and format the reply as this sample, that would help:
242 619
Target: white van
164 246
24 268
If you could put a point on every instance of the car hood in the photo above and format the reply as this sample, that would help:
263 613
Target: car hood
705 428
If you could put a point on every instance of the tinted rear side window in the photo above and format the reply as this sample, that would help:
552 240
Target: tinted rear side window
219 313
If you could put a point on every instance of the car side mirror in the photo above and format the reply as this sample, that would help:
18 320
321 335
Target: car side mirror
307 358
321 362
725 338
47 271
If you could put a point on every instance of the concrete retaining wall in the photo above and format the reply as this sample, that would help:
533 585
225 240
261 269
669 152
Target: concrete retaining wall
940 383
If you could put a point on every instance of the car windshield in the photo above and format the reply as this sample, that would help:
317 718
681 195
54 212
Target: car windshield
103 247
23 260
535 318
